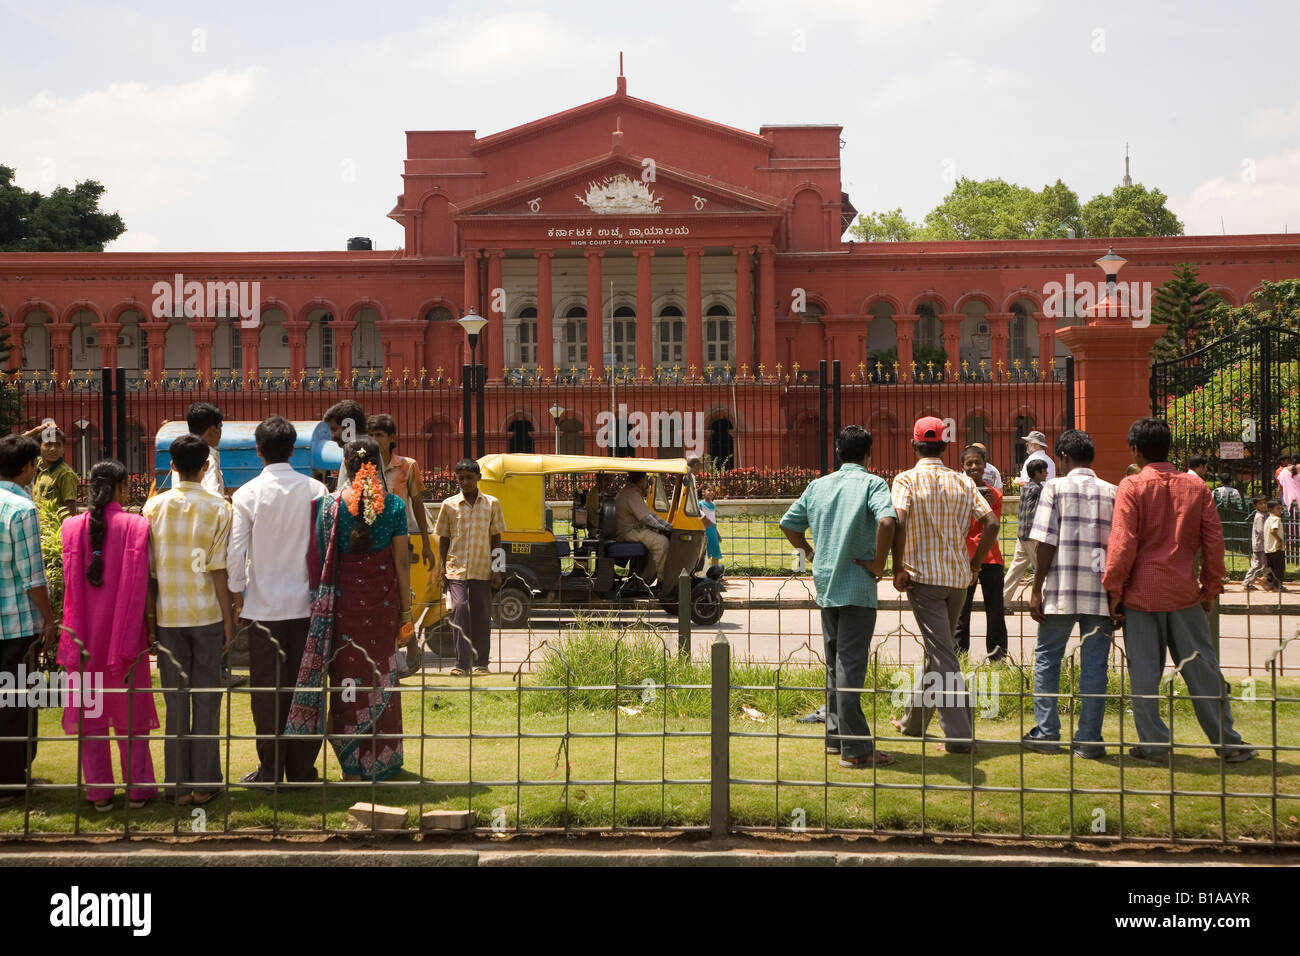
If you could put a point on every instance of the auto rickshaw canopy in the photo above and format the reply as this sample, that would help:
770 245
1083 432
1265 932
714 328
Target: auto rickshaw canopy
517 480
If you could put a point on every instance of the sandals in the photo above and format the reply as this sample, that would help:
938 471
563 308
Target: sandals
103 806
456 672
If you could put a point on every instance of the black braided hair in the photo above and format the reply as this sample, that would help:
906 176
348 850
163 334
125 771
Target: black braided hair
360 541
105 478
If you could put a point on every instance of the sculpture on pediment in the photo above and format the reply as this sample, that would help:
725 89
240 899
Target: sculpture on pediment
619 194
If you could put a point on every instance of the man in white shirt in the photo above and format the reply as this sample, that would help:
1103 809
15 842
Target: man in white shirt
205 420
1036 442
268 579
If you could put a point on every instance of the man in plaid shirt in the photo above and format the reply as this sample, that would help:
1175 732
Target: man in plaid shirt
26 618
1071 528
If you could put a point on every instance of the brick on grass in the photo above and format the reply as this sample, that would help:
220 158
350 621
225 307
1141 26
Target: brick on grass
377 815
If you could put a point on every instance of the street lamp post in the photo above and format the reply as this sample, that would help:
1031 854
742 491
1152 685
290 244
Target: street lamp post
473 324
557 412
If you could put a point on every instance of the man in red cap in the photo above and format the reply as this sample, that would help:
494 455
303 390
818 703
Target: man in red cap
932 566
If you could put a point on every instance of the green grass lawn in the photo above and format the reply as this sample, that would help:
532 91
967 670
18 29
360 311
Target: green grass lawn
520 768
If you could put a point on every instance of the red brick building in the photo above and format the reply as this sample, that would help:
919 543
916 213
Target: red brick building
701 247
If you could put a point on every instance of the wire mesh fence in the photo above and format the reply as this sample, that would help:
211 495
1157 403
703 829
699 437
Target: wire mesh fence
628 720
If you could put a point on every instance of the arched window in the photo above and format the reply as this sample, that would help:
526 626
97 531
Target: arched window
672 337
718 337
38 347
438 314
722 447
622 337
526 338
520 437
571 441
575 338
928 333
977 430
1024 425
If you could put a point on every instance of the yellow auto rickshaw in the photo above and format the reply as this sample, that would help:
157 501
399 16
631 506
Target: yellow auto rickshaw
587 565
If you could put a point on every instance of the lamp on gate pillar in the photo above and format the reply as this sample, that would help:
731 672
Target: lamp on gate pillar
557 412
473 324
1110 264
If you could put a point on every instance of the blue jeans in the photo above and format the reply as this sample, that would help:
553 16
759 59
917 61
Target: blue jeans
1053 635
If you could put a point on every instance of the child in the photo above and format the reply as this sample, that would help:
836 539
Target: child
402 475
991 576
1257 544
188 532
55 479
1024 556
709 512
1275 544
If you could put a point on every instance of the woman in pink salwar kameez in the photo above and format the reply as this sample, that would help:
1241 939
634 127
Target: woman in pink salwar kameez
106 580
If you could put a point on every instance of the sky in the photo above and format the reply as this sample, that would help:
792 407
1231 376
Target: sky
278 126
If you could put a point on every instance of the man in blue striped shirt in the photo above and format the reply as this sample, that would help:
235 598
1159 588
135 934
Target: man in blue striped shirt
851 517
26 618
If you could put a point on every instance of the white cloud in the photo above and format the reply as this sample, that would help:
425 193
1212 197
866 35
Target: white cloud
1276 123
149 146
134 240
1267 204
886 21
870 17
941 83
484 50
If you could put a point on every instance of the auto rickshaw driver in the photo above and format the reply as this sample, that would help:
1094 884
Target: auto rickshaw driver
636 522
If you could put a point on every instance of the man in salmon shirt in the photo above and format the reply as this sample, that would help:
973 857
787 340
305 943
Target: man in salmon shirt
1163 517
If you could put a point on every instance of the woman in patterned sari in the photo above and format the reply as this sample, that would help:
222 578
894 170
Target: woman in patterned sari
361 600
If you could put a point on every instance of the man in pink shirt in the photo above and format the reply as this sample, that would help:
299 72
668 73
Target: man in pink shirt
1163 517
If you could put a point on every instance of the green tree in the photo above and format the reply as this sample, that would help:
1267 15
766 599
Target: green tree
890 226
996 209
67 220
1191 311
981 209
1130 211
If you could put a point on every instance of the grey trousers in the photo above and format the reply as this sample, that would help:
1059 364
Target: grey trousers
846 632
1020 563
1147 636
1258 568
937 610
192 751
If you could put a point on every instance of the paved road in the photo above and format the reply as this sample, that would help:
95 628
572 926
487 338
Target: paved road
771 619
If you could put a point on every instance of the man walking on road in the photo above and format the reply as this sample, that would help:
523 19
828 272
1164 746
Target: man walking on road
852 521
1163 517
935 506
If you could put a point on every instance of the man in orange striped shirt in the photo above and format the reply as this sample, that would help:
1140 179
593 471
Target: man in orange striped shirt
932 566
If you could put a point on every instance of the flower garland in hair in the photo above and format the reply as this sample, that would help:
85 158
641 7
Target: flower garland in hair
367 507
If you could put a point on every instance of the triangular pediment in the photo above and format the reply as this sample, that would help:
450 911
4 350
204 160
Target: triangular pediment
620 184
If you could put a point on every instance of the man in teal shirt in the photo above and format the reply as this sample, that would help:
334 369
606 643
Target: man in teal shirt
851 517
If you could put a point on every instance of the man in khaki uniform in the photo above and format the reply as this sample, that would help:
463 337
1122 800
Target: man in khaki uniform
636 522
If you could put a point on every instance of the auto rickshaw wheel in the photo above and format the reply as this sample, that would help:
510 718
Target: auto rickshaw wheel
438 639
409 658
512 606
706 603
